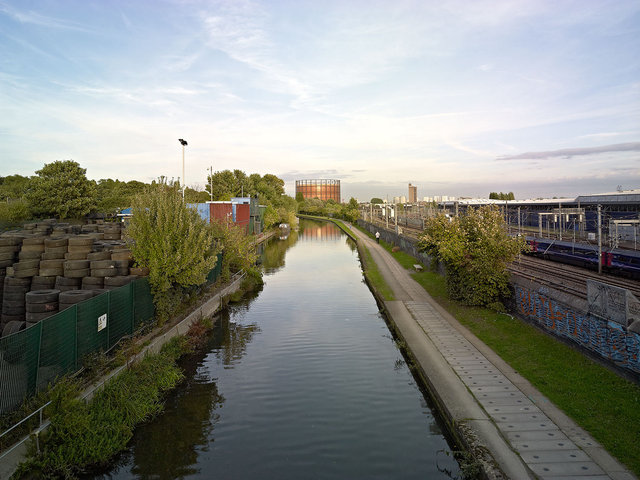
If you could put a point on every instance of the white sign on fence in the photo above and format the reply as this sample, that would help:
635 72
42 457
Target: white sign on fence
102 322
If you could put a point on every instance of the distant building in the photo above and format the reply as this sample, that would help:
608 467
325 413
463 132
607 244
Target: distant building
413 194
324 189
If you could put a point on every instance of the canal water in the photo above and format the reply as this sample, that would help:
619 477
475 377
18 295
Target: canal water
301 381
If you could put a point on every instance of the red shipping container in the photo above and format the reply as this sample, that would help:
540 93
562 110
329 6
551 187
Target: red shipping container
221 211
242 215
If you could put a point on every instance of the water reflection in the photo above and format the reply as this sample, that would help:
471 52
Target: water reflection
323 231
272 258
231 338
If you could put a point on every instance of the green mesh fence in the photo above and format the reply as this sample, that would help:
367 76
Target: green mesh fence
120 314
32 359
57 348
19 354
93 334
215 272
142 302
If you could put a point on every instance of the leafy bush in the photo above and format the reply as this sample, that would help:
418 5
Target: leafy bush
171 240
82 435
475 250
239 252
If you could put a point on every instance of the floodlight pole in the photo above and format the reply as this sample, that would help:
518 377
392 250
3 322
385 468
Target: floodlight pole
184 183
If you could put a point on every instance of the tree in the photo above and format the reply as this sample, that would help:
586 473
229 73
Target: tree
376 200
171 240
62 190
13 187
299 197
350 211
194 196
115 195
475 250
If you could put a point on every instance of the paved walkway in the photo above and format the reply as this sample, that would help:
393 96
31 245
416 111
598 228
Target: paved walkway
526 434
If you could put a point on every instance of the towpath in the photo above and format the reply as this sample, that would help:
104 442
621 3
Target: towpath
483 397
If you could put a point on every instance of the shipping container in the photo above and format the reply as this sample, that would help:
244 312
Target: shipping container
222 211
203 210
242 215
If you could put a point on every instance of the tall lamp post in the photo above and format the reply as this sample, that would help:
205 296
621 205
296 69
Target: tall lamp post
184 144
211 182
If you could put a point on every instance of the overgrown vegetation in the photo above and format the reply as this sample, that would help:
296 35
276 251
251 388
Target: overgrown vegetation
475 249
173 241
88 434
239 251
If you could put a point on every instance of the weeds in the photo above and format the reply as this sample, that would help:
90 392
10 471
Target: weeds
86 434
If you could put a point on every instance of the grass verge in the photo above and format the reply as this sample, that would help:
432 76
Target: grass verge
597 399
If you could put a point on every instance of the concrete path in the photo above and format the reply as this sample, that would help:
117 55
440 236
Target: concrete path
485 398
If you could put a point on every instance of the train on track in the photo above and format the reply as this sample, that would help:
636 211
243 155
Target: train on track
624 263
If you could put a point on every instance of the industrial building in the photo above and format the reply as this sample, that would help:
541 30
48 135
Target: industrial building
619 214
413 194
323 189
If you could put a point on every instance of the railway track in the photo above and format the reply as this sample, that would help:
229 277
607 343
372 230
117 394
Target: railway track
562 277
567 278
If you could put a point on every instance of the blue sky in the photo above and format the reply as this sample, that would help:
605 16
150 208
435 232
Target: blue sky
460 98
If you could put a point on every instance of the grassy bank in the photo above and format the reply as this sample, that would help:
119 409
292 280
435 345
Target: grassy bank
597 399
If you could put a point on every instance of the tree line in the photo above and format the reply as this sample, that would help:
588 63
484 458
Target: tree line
62 190
328 208
501 196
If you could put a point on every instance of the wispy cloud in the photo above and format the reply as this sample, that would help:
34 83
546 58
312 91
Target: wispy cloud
35 18
571 152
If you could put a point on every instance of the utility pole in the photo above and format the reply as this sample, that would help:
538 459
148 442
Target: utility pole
386 212
519 223
560 213
599 239
211 181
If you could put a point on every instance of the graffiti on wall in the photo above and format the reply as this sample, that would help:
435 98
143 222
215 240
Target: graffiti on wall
608 339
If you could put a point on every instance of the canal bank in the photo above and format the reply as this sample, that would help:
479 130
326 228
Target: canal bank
513 430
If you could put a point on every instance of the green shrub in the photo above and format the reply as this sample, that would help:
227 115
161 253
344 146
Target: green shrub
475 250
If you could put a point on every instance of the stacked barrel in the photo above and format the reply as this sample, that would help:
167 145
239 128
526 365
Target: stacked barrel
48 266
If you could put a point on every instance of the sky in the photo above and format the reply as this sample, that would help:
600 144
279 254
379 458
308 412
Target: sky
457 97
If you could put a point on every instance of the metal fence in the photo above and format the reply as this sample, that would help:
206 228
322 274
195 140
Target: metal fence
33 358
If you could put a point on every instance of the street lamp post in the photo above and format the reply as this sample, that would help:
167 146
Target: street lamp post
184 184
211 182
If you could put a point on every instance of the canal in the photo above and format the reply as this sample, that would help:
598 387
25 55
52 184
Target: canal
301 381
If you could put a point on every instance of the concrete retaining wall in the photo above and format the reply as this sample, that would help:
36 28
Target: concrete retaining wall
568 318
